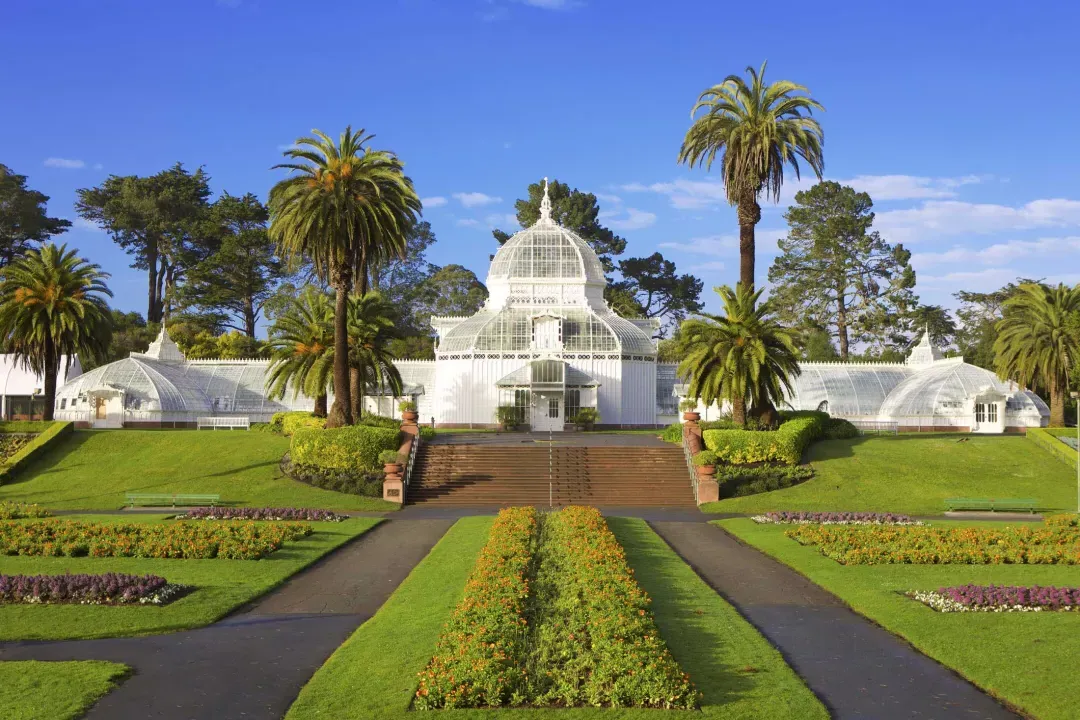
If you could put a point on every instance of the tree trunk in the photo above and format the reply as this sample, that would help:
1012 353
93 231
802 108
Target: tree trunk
1057 404
249 318
738 411
842 325
749 213
320 406
152 263
360 287
52 367
341 411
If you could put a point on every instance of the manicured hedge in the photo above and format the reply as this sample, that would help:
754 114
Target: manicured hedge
784 445
1048 441
50 435
351 449
373 420
287 423
742 480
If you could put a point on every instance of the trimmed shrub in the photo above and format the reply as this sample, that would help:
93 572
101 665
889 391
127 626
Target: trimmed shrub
19 510
722 424
49 436
1047 440
349 449
840 429
373 420
288 423
673 433
739 481
784 445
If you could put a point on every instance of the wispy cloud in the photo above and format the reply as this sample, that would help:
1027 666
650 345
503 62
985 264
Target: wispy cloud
911 187
434 201
727 245
1001 253
503 221
467 222
66 163
635 220
609 199
938 218
84 224
475 199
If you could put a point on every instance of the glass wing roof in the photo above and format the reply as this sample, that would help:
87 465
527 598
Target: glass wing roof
849 389
510 330
938 390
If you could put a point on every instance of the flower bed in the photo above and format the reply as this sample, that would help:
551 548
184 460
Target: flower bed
106 589
478 660
1047 545
596 642
304 514
17 510
198 540
11 443
788 517
999 598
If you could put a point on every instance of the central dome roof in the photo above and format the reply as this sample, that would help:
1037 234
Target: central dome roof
546 252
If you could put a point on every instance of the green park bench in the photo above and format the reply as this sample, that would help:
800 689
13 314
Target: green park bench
993 504
173 499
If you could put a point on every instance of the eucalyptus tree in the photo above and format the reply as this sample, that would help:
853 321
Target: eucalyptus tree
757 130
52 304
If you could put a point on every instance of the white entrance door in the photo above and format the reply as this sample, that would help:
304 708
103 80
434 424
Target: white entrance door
547 414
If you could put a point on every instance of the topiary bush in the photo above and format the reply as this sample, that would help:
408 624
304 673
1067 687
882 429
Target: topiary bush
346 449
840 429
738 481
287 423
783 445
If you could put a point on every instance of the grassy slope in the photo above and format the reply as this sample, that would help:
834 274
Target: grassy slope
373 675
914 474
1025 658
34 690
221 586
93 470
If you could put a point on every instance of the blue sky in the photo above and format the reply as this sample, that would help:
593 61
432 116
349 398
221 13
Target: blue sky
959 118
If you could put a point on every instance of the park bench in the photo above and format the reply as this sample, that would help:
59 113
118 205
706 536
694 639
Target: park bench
173 499
223 422
992 504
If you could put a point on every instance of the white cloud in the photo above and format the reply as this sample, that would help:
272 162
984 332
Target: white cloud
685 194
712 245
635 220
475 199
467 222
937 218
499 220
910 187
1000 253
975 280
609 199
84 224
433 202
55 162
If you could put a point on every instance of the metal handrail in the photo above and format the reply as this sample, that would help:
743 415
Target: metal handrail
690 464
414 448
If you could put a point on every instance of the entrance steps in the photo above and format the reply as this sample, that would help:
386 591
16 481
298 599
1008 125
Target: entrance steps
502 475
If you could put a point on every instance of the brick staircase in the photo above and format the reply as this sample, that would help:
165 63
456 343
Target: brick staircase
501 475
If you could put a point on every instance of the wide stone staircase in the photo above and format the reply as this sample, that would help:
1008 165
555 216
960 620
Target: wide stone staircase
501 475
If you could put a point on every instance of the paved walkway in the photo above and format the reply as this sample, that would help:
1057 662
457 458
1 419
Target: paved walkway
253 664
858 669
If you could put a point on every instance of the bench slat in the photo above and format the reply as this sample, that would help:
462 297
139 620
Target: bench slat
150 499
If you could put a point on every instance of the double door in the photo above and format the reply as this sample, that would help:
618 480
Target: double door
547 412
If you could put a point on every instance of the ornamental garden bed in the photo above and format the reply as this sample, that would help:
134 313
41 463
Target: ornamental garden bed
82 589
187 540
1055 543
18 511
267 513
999 598
553 617
799 517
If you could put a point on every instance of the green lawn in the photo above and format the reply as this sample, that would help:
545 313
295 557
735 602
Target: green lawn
221 586
373 675
34 690
915 473
1028 659
93 470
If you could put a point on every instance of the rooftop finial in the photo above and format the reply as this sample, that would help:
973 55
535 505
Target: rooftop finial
545 204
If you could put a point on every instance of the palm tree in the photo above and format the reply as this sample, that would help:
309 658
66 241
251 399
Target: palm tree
742 356
756 129
340 212
1035 343
372 325
301 349
52 304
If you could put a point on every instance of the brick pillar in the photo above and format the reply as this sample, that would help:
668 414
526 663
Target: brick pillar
393 489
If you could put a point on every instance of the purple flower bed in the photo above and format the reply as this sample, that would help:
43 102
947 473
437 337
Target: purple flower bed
1000 598
787 517
221 513
106 589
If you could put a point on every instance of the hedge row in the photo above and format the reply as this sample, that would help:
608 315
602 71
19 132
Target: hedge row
50 434
784 445
1049 441
287 423
353 449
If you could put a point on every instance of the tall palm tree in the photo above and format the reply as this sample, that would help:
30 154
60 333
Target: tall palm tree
757 130
743 356
1035 343
372 326
52 304
339 210
301 349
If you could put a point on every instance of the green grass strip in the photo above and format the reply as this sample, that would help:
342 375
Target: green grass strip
373 674
33 690
1023 658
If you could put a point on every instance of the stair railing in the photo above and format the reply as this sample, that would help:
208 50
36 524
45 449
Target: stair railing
414 448
690 463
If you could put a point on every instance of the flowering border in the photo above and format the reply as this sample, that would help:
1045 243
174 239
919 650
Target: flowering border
795 517
19 510
104 589
263 513
1000 598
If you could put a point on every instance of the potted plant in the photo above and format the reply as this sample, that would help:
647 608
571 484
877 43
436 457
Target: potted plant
586 418
408 411
507 416
689 410
391 460
705 463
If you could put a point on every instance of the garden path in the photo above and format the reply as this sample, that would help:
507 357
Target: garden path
856 668
253 664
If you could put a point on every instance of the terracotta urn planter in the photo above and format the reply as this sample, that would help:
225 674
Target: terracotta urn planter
705 471
691 416
410 416
392 468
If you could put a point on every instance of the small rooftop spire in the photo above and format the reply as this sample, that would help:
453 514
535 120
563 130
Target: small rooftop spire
545 204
